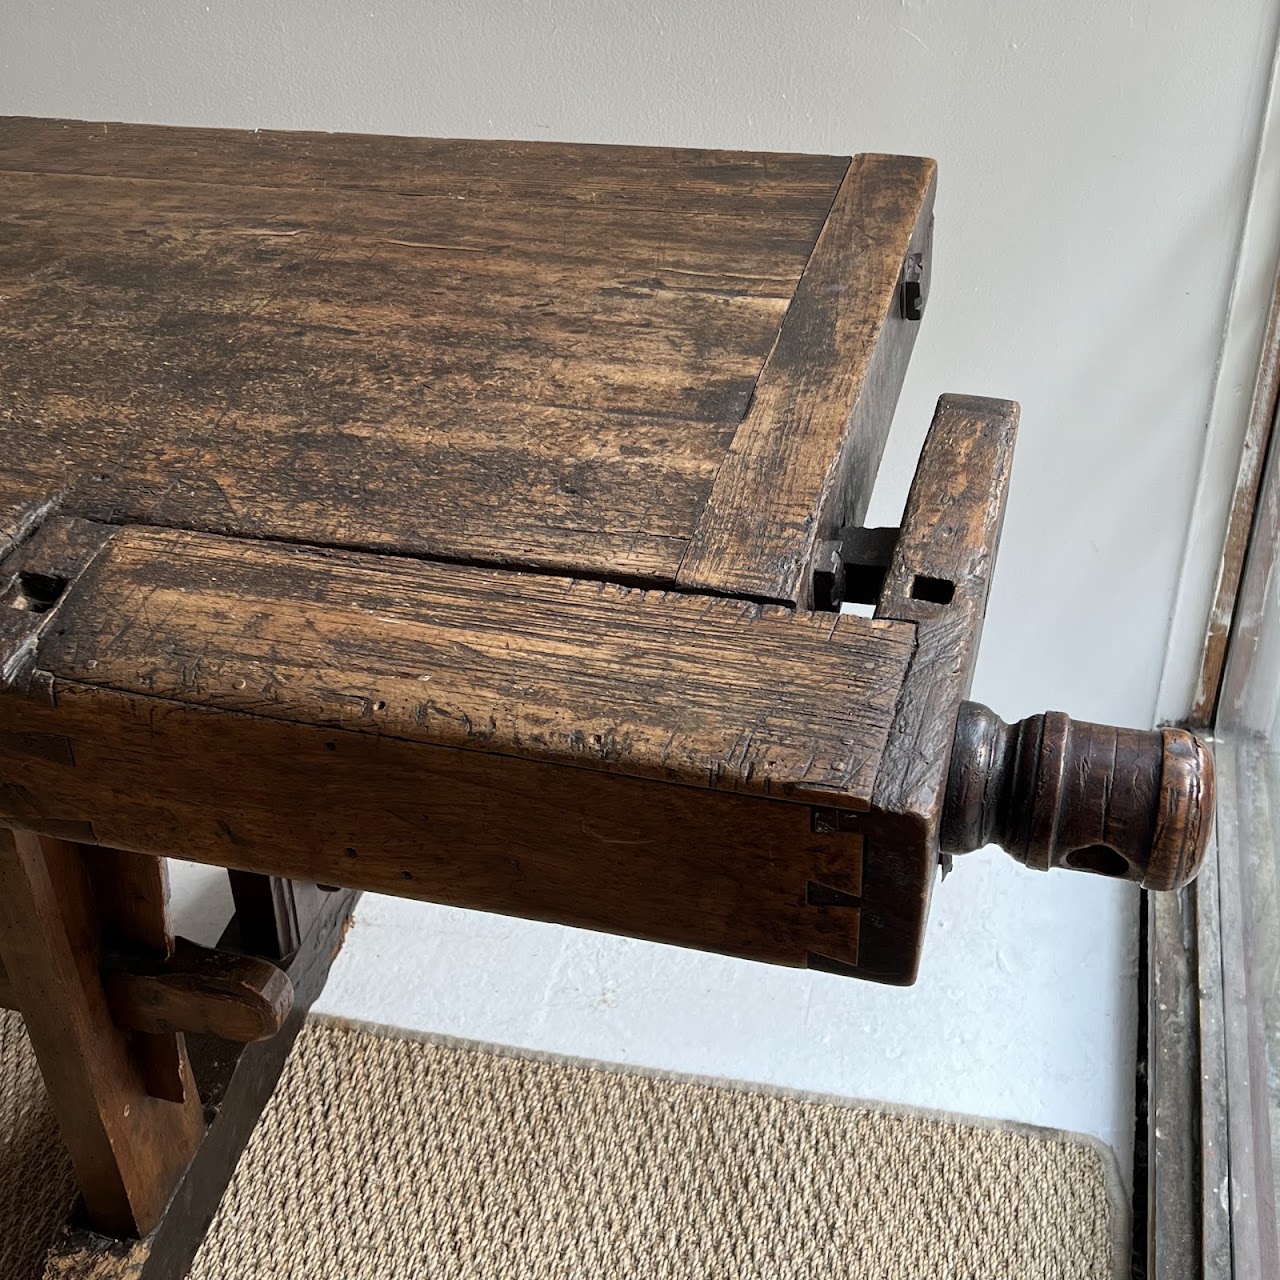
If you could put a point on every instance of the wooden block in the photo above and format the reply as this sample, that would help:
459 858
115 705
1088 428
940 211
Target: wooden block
199 989
638 762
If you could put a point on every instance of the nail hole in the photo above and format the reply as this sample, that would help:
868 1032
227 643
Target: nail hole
351 853
38 592
1101 859
379 705
932 590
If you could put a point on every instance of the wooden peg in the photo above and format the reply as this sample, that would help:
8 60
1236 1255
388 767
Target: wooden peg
1053 792
199 989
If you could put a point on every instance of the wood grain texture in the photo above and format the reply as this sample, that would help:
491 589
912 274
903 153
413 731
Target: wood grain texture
393 725
938 579
1055 792
947 547
716 870
199 989
127 1147
517 354
694 690
236 1081
626 177
803 461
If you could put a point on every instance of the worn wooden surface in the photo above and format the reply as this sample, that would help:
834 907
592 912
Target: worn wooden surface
202 990
509 353
394 725
938 580
235 1082
128 1147
199 989
131 895
689 689
822 407
1054 792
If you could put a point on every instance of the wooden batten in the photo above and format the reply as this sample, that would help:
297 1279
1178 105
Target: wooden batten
803 460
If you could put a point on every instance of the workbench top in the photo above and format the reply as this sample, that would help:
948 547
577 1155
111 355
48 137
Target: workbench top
636 364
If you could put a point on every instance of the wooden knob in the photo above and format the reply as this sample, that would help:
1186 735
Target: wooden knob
1053 792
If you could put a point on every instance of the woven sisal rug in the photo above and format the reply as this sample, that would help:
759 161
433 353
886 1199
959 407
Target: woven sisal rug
385 1157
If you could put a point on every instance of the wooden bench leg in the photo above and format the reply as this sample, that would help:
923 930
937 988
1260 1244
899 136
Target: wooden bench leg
60 906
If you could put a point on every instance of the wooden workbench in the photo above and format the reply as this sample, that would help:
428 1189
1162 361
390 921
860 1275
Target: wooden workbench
471 521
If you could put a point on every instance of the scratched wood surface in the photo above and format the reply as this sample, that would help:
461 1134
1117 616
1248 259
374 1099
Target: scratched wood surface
642 762
803 460
507 353
695 690
937 580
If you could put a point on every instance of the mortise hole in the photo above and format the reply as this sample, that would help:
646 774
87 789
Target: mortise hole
863 583
38 592
1101 859
934 590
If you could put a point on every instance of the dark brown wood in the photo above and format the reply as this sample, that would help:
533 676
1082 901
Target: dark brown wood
444 518
199 989
699 734
235 1083
1060 793
274 914
803 460
128 1147
938 580
518 354
694 690
132 895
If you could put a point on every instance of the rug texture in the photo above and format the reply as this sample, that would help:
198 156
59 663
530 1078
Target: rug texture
383 1157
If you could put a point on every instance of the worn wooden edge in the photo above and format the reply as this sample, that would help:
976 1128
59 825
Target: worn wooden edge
667 639
416 165
938 578
200 990
49 560
1240 522
235 1083
804 459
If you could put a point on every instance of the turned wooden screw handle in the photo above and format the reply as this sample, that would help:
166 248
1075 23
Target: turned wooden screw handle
1053 792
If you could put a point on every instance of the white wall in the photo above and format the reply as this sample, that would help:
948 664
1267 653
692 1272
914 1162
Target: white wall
1095 160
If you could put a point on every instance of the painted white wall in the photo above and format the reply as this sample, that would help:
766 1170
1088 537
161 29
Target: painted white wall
1095 163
